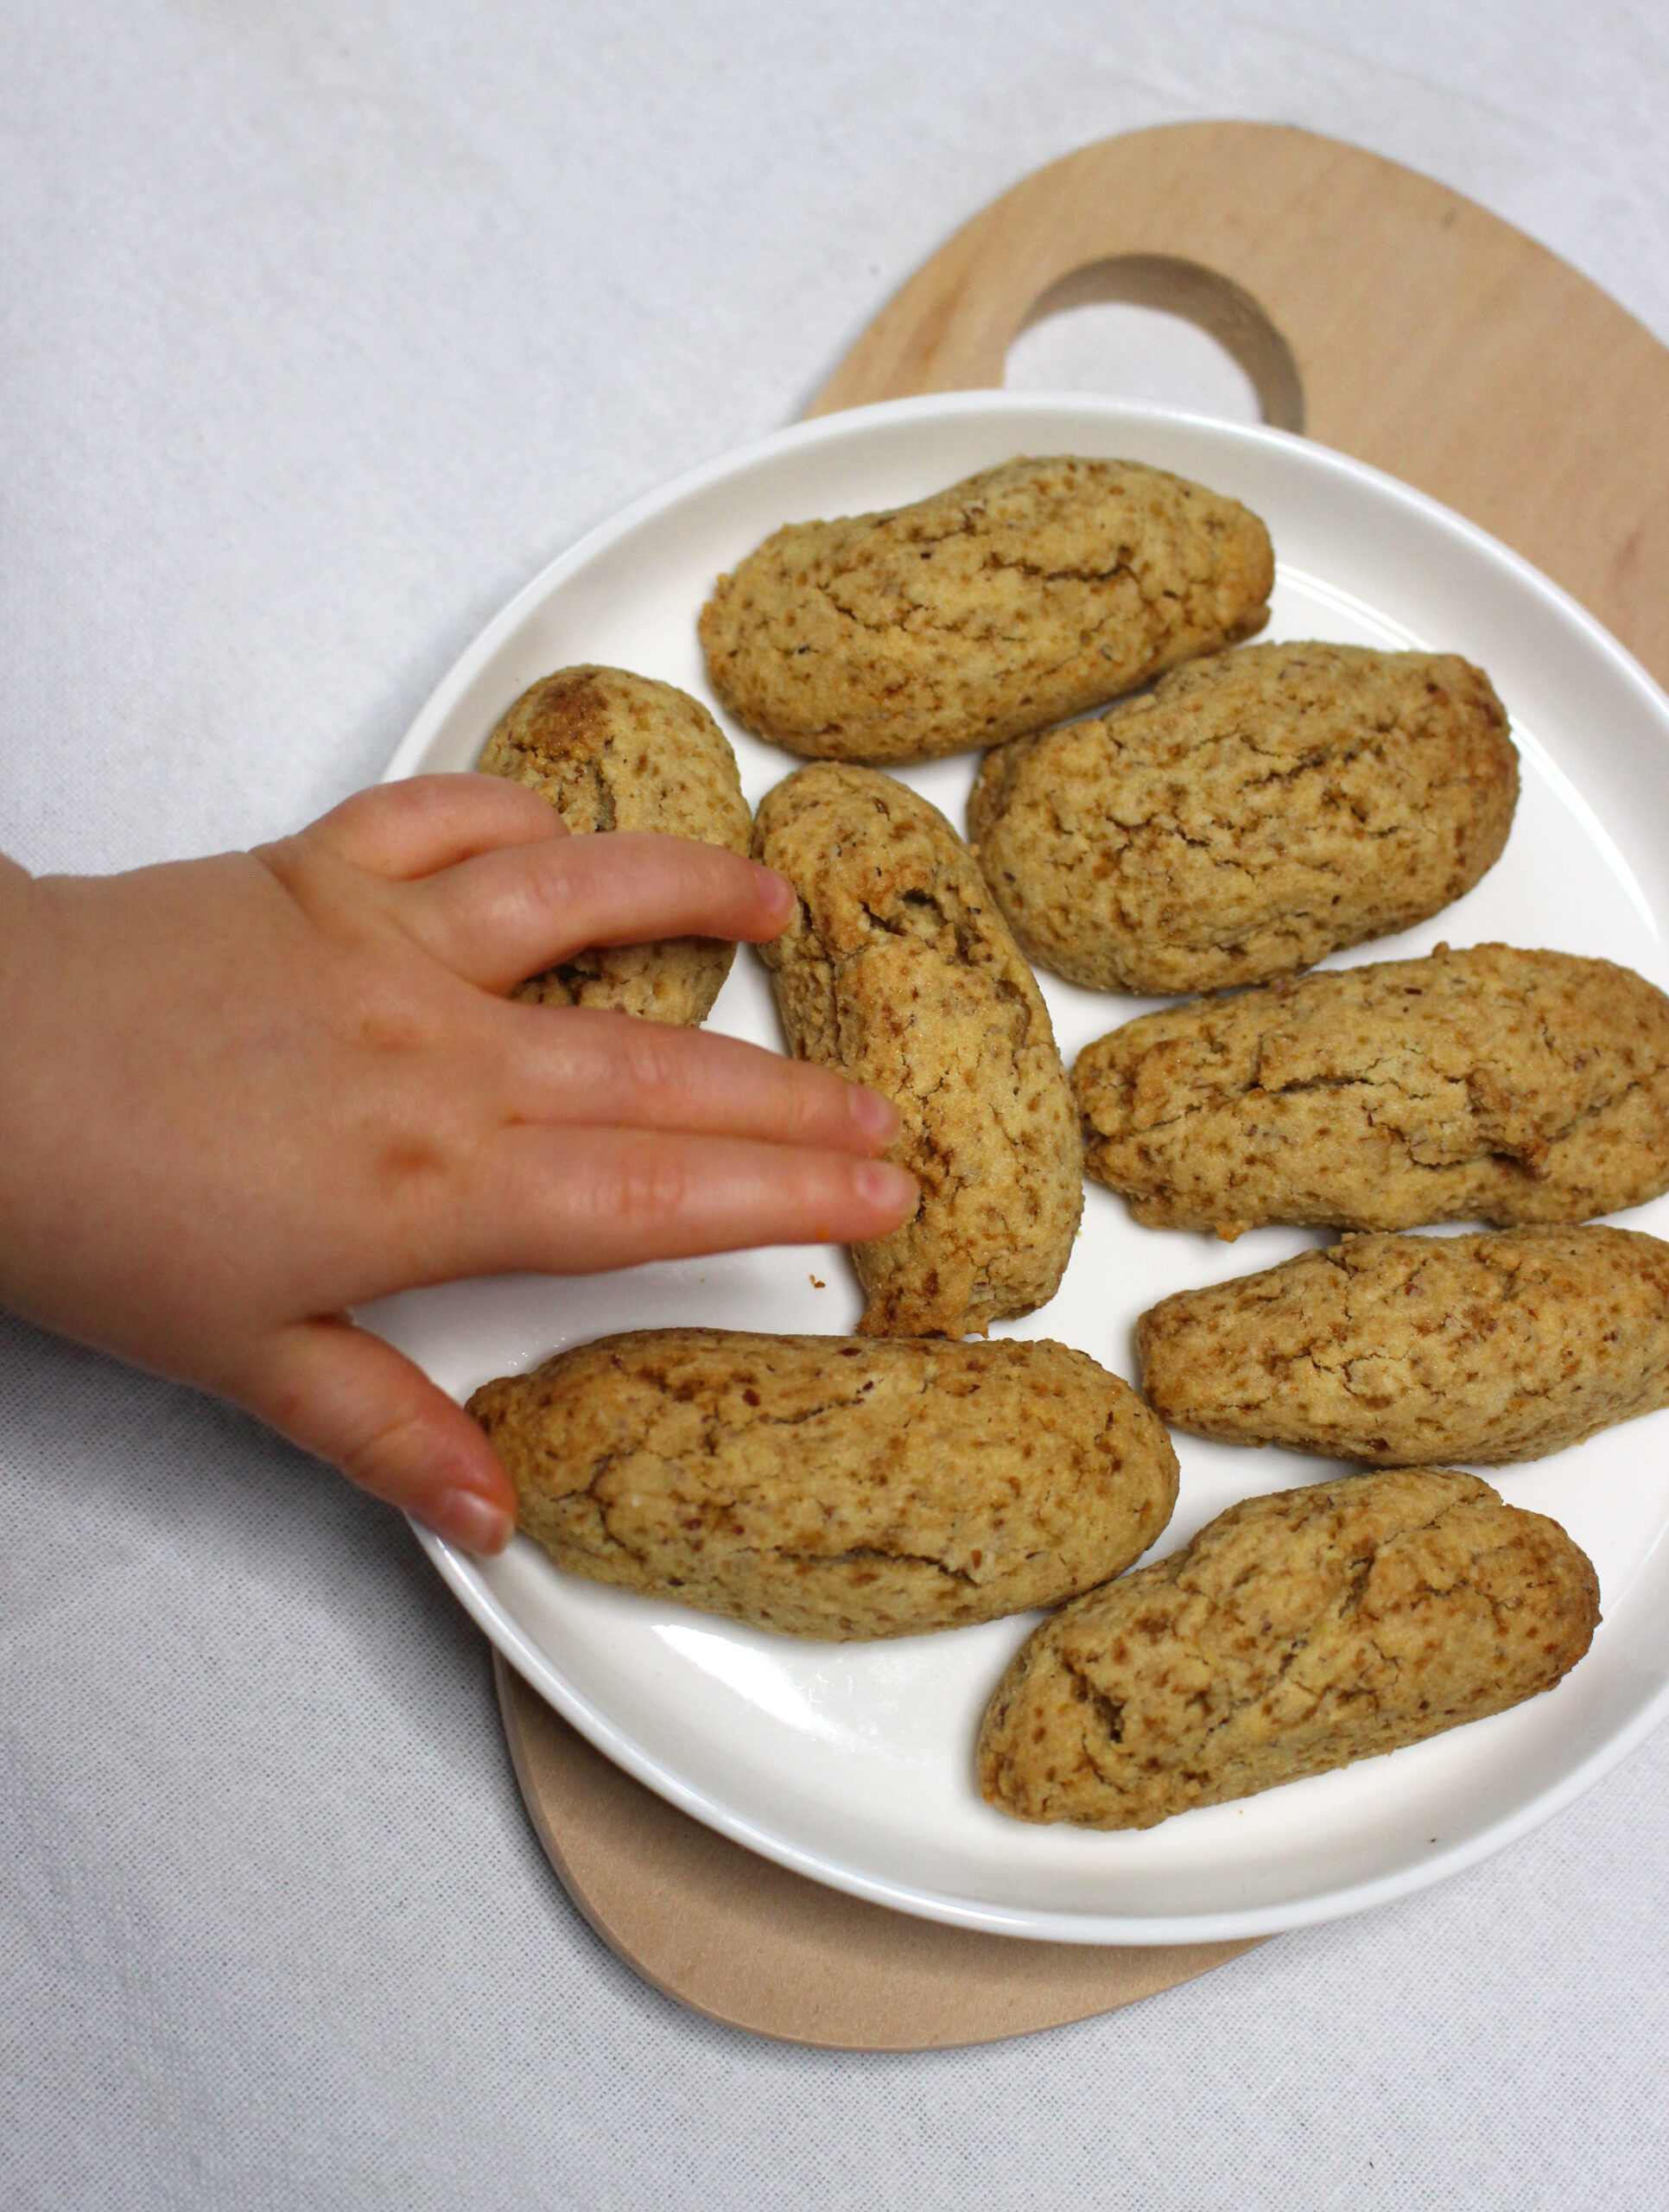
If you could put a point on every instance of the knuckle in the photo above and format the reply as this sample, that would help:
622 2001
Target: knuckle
552 882
806 1101
652 1185
293 861
817 1100
318 884
653 1061
427 1186
384 1452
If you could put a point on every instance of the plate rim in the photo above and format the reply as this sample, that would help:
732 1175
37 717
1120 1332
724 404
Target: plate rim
1031 1923
828 428
459 1572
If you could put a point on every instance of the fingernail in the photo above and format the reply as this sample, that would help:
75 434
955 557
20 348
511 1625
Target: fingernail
877 1117
465 1517
888 1189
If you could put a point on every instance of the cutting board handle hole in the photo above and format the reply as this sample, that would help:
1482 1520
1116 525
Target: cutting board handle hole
1259 380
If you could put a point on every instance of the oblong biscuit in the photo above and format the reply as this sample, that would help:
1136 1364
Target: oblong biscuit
826 1486
1399 1350
614 751
1491 1084
897 970
1253 812
1295 1633
1026 593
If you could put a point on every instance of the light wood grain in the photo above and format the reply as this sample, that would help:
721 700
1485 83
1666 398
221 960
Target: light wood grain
750 1944
1382 315
1375 310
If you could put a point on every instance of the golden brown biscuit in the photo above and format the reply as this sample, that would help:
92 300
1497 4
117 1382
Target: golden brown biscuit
1399 1350
1028 592
1252 813
827 1486
898 970
1484 1085
1295 1633
614 751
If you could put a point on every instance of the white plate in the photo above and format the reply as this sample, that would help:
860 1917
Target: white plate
852 1763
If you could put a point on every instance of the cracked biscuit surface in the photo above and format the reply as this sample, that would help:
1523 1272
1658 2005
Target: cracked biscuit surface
898 970
1029 592
833 1487
1490 1084
1399 1350
1295 1633
614 751
1252 813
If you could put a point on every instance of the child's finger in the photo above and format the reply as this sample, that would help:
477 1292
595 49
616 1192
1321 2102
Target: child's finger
424 823
580 1201
505 915
344 1395
579 1064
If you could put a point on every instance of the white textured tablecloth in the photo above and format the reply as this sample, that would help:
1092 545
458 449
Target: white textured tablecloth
325 324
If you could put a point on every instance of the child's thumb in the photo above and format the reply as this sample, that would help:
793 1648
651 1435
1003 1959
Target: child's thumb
339 1391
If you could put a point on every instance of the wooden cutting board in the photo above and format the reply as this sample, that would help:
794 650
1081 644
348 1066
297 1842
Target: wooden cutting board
1381 314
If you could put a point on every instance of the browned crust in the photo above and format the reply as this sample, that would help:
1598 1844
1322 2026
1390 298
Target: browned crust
1253 812
1028 592
1295 1634
830 1486
897 970
1399 1350
1491 1084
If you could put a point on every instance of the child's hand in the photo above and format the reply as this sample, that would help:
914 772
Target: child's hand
240 1096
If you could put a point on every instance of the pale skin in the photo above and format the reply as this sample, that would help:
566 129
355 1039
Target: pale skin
239 1097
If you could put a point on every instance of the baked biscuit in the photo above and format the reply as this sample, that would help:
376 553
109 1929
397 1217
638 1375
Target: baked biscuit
1252 813
1295 1634
1028 592
825 1486
1484 1085
613 751
1399 1350
898 970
